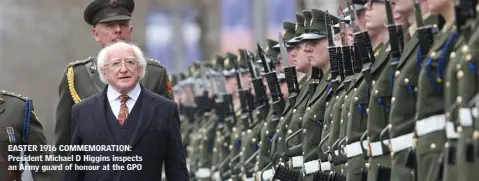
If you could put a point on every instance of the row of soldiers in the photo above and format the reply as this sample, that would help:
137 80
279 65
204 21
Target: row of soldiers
383 91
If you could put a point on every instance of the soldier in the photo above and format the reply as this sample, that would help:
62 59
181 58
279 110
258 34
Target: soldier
380 101
341 106
258 111
404 95
357 122
271 122
465 23
335 102
467 147
430 109
295 54
20 126
313 119
111 23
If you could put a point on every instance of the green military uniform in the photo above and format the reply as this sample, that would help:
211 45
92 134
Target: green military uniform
403 106
81 78
207 136
430 116
306 97
313 119
269 128
453 100
357 122
467 80
278 146
252 136
20 126
235 127
338 106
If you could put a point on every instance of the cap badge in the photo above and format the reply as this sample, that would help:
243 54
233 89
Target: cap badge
113 3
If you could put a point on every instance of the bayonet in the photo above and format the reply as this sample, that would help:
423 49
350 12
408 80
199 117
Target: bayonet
284 52
250 66
263 58
418 12
354 15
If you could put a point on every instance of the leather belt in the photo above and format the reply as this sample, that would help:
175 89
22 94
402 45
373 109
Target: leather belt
355 149
430 124
402 142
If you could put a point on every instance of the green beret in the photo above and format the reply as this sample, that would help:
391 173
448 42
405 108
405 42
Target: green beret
99 11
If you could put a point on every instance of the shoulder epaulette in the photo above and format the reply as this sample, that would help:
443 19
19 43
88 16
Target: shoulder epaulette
80 62
150 61
11 94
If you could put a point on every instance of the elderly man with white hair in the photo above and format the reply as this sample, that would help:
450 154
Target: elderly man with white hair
126 113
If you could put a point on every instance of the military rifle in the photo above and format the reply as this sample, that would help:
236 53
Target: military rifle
289 71
246 116
395 34
272 79
424 32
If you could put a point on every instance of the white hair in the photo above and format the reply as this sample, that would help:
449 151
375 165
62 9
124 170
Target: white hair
103 55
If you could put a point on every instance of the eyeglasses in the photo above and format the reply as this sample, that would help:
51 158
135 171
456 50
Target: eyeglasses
129 63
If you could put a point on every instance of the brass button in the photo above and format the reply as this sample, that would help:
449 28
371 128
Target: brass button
406 80
342 105
458 67
314 116
304 131
465 48
433 54
460 74
453 55
290 131
376 92
393 99
355 89
459 99
475 135
254 140
433 146
265 123
397 73
374 82
294 110
341 121
308 108
282 118
300 118
327 103
346 96
267 132
448 84
356 98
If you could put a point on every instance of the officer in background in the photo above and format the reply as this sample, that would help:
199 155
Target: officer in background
20 126
111 23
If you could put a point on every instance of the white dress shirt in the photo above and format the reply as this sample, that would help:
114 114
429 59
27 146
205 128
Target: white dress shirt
115 102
